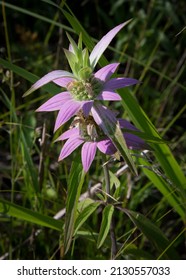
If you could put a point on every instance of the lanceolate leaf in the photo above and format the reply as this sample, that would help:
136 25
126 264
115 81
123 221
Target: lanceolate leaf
163 154
75 182
13 210
107 121
85 214
105 224
153 234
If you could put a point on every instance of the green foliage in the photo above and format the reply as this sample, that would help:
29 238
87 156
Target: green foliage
30 216
149 210
75 182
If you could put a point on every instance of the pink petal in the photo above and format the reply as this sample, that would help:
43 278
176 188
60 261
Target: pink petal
104 118
69 133
106 147
126 125
108 95
106 72
88 154
70 48
48 78
116 83
87 107
63 82
70 145
55 103
68 110
103 44
134 142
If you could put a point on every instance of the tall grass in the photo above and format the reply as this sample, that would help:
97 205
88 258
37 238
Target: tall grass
54 207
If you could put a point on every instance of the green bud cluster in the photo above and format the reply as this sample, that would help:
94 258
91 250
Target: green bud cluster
85 90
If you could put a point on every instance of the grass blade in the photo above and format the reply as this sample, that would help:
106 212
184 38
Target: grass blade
153 233
22 213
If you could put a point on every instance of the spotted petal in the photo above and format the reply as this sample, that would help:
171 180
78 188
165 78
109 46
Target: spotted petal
70 145
101 46
106 72
116 83
68 110
48 78
88 154
55 103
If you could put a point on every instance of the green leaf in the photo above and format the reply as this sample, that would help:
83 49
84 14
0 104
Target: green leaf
162 151
75 48
27 75
111 128
153 234
114 180
175 193
166 189
19 212
29 165
105 224
121 145
72 60
83 216
75 183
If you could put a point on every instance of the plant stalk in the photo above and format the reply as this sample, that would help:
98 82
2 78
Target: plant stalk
109 200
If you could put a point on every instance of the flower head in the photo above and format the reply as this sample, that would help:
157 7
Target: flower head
83 86
84 131
84 92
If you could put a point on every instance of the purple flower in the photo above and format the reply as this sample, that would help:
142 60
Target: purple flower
85 91
83 87
81 94
88 135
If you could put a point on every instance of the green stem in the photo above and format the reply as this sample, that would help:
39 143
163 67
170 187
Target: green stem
109 200
107 181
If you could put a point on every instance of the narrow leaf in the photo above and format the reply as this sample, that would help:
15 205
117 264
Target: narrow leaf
107 121
105 224
85 214
75 182
19 212
153 234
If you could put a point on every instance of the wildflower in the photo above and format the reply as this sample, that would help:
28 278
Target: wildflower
84 92
84 131
83 86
